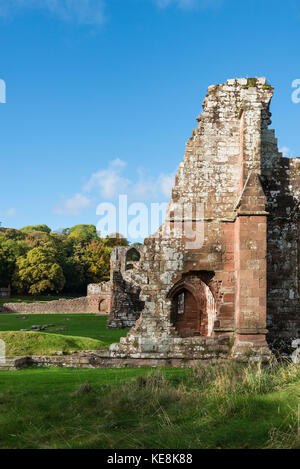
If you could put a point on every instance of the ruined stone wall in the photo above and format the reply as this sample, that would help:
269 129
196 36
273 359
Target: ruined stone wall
251 236
283 254
99 295
77 305
125 303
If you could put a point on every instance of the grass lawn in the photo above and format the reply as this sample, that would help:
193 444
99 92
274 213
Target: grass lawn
33 299
81 325
220 406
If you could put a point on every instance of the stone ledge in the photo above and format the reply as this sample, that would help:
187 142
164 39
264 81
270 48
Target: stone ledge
71 361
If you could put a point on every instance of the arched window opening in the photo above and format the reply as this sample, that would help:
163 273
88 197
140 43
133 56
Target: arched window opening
132 258
180 303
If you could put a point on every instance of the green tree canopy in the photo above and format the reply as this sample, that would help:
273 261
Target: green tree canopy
38 272
97 262
44 228
11 233
37 260
83 233
7 265
115 239
10 250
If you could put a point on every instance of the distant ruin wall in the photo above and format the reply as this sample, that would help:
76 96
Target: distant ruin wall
97 301
77 305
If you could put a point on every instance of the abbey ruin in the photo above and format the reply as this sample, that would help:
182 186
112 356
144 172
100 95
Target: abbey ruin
239 290
221 277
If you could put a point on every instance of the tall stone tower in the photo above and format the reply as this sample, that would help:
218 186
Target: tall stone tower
217 295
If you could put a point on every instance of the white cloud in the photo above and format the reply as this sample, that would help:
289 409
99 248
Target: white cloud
179 3
81 11
91 12
11 212
286 152
73 206
187 4
152 188
109 181
166 182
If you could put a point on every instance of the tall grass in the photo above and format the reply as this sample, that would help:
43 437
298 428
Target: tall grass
235 378
221 405
153 411
287 438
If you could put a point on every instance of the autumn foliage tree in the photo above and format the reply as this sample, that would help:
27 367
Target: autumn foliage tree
38 272
35 260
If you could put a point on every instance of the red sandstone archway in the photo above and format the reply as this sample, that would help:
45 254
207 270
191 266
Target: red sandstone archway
102 306
186 314
193 307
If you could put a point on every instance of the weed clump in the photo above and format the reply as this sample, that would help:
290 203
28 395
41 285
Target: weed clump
84 388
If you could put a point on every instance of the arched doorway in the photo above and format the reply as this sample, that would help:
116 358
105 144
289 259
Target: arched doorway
103 306
193 309
186 314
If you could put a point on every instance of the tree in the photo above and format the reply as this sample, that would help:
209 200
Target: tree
16 235
115 239
39 238
44 228
97 262
7 265
38 272
83 233
10 250
36 260
74 274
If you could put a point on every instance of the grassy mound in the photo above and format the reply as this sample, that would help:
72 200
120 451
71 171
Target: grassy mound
40 343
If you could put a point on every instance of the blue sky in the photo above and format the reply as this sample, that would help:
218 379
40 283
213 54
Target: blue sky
103 94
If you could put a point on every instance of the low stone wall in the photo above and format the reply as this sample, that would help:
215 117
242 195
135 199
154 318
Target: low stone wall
96 361
14 363
77 305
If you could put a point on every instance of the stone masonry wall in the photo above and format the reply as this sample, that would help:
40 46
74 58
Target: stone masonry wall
248 258
125 306
78 305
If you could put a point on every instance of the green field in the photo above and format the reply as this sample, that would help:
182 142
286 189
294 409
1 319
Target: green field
222 406
33 299
81 325
216 406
